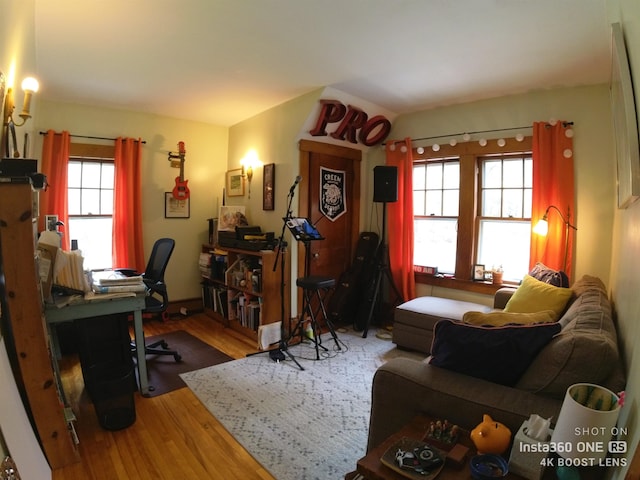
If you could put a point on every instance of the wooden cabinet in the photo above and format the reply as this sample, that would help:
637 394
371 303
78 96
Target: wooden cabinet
24 327
241 289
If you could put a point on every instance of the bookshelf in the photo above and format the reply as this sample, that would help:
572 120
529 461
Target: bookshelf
241 290
24 327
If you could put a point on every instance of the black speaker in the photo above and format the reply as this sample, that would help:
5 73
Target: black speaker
385 184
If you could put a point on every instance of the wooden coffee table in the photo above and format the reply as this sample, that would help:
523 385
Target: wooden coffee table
371 468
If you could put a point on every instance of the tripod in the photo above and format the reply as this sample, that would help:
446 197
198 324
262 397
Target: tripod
282 350
381 269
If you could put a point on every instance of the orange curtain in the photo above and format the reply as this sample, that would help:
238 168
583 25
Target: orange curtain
400 219
54 163
128 251
553 184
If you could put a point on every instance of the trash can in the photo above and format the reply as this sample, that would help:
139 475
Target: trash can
111 388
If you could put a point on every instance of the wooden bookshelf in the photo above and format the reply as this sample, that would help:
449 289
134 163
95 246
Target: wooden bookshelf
24 325
234 274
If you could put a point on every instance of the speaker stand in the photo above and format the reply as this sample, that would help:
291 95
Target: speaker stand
382 269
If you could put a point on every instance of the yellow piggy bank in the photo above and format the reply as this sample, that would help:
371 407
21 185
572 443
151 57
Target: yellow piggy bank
491 436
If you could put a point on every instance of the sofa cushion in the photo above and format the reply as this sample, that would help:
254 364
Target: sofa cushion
498 318
548 275
585 351
497 354
535 296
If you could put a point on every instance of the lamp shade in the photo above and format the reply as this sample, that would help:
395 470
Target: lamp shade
586 423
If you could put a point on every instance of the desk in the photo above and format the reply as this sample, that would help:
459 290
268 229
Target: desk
96 307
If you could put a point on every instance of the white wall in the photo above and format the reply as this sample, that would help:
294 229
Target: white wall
625 264
205 164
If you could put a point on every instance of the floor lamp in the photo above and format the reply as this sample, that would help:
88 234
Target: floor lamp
542 228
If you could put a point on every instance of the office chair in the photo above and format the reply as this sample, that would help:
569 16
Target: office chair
157 300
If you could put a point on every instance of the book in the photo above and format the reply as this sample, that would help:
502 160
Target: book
133 287
113 277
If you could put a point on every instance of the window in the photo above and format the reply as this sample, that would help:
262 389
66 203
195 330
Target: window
90 197
472 205
504 220
436 187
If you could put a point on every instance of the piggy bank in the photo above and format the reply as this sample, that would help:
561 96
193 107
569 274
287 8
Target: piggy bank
491 436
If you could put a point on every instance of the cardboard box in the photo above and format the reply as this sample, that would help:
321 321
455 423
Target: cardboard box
46 260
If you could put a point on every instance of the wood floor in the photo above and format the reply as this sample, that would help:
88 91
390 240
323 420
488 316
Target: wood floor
174 436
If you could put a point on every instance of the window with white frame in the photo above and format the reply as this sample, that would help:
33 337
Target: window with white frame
436 187
90 196
504 218
472 205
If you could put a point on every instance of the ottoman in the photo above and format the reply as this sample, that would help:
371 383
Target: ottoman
413 321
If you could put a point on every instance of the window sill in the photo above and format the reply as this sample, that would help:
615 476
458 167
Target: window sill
486 288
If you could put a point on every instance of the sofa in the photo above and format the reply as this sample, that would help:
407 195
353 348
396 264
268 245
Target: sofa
581 345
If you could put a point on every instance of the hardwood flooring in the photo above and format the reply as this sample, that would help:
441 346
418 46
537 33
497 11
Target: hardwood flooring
174 436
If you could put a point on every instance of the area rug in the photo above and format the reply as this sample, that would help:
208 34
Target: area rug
299 424
164 372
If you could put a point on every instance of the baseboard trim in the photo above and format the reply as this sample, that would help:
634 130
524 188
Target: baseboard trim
190 306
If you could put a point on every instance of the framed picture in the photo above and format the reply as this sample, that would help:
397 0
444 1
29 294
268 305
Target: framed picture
174 208
231 217
478 272
625 125
268 186
235 183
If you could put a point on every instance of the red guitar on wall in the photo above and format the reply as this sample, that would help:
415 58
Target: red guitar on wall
181 190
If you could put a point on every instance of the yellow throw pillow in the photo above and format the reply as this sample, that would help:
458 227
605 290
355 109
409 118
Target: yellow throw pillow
500 318
535 296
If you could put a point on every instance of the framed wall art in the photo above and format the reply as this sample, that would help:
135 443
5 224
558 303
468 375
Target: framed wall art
174 208
235 183
231 217
625 124
478 272
268 186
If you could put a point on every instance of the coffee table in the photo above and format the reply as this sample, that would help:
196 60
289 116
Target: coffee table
371 468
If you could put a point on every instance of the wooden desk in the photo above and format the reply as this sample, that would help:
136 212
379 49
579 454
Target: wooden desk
97 307
371 468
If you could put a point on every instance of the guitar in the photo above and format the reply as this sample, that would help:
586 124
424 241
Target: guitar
181 190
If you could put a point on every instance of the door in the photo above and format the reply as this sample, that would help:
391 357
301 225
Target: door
333 255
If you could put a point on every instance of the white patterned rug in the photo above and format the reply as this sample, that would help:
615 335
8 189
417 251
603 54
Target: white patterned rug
300 425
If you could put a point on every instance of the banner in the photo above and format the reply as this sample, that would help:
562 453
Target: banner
332 193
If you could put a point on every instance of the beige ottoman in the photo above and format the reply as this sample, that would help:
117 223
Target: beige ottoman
413 321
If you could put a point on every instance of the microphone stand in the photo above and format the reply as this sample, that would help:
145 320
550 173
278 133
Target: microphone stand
282 350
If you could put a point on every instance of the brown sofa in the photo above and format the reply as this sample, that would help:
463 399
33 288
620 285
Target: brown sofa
585 350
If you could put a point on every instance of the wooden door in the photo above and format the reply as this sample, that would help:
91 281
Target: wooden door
332 256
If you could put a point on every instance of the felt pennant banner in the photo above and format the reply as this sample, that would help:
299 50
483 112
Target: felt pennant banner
333 193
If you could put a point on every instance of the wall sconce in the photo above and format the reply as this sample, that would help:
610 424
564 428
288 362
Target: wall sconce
247 172
30 86
542 228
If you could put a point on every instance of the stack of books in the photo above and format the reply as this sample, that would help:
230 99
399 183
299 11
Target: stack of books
111 281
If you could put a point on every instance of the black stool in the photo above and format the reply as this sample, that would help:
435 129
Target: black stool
319 287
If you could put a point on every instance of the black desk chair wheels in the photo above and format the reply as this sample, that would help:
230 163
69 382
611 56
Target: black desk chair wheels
157 301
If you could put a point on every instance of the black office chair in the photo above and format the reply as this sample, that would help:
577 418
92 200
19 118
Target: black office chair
157 300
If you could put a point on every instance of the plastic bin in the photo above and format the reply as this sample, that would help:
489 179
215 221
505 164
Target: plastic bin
111 388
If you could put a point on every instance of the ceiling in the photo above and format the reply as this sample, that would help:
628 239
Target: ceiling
223 61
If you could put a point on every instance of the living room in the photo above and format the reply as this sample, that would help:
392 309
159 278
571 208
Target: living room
605 243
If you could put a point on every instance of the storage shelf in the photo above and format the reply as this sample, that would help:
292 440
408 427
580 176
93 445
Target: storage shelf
220 292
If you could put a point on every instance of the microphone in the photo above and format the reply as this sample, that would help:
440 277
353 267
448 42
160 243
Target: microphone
293 187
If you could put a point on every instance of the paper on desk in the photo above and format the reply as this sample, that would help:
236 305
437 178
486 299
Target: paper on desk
99 297
268 335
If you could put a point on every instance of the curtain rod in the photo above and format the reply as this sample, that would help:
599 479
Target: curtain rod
93 138
564 124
